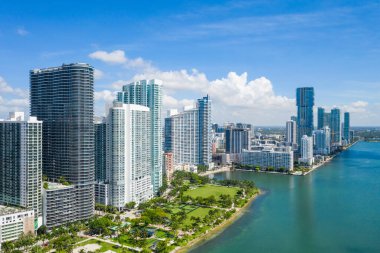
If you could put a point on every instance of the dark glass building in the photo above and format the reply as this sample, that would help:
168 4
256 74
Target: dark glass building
237 139
305 104
63 98
321 118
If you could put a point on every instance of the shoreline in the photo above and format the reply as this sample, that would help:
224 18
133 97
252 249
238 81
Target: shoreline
218 229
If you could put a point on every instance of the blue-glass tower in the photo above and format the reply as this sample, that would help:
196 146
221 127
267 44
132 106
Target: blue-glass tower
305 104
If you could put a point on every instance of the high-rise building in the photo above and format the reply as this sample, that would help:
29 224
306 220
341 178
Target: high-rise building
327 119
322 141
321 118
21 163
129 154
237 138
305 104
189 134
100 150
306 150
149 93
346 127
336 133
63 98
294 118
291 132
205 130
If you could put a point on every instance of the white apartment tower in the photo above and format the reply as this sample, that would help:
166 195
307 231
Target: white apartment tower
129 154
21 163
306 150
291 132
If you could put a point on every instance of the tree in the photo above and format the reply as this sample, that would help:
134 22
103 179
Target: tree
162 247
130 205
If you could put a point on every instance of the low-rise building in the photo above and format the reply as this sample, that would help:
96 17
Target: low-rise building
15 222
59 205
276 158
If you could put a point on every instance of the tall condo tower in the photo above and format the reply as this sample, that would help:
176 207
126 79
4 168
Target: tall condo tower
21 163
336 131
321 118
188 134
129 154
291 132
63 98
305 104
149 93
346 127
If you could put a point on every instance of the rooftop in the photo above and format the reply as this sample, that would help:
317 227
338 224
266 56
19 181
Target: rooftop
57 186
5 210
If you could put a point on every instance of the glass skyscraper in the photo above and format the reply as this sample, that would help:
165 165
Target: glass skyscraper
321 118
336 133
346 127
63 98
149 93
305 104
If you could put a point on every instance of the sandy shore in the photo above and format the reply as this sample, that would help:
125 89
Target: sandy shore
218 229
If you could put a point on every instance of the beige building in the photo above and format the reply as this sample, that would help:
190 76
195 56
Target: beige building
15 222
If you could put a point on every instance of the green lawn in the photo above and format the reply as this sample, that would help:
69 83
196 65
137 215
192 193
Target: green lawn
104 246
200 212
209 190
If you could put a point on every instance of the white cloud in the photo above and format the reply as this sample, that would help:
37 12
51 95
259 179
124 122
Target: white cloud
12 99
22 31
117 56
105 95
234 97
4 87
98 74
178 80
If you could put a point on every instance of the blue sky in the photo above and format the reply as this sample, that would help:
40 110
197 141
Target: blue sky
248 55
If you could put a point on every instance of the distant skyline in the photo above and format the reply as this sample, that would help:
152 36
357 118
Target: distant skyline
249 56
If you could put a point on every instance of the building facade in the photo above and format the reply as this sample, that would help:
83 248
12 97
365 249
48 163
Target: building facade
305 118
59 204
276 158
21 163
322 141
321 118
129 154
336 132
100 150
63 98
346 128
237 139
149 93
306 150
189 134
291 132
14 222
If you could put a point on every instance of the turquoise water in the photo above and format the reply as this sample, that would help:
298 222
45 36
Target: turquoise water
334 209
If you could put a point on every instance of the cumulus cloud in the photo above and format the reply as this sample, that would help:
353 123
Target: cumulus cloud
178 80
234 96
98 74
119 57
12 99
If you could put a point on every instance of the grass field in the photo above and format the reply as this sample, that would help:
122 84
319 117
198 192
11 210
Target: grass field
209 190
200 212
104 246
